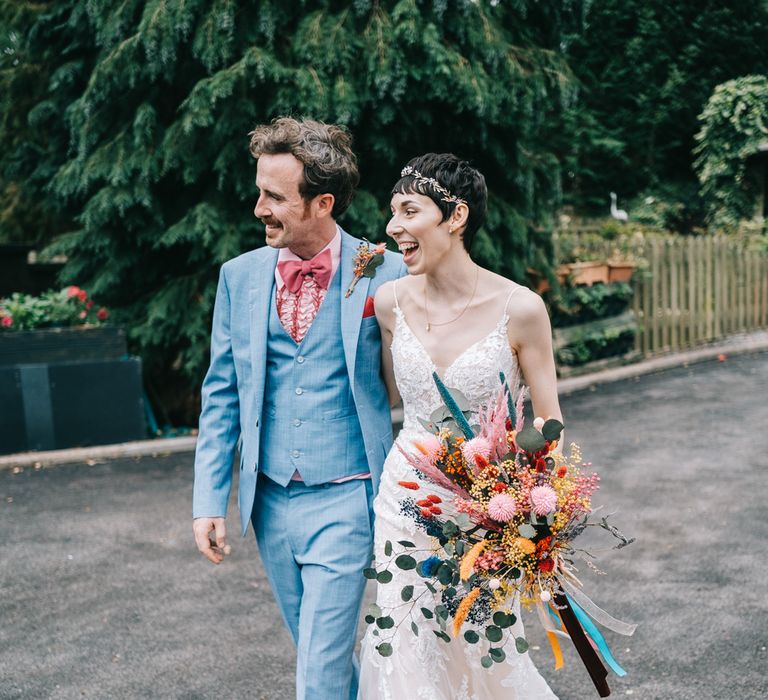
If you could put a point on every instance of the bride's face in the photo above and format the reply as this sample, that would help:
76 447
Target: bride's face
416 227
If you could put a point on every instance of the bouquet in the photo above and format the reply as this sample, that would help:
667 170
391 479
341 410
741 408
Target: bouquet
517 507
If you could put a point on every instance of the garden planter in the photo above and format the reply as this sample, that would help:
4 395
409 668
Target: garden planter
587 273
620 271
48 345
68 387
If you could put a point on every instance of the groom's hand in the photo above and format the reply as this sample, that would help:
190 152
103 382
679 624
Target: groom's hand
214 548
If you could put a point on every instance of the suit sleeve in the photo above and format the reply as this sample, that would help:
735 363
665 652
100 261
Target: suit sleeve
219 428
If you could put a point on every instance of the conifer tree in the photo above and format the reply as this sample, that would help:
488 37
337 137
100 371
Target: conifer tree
156 114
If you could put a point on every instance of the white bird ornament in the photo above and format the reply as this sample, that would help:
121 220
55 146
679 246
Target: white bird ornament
618 214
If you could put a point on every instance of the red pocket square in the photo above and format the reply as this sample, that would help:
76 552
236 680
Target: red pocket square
369 309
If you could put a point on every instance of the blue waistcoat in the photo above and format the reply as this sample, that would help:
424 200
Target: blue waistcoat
310 423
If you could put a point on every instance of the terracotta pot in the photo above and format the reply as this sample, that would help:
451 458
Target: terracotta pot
538 282
620 271
587 273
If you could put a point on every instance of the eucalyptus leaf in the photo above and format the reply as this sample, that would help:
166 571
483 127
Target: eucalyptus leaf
449 548
405 562
463 521
503 620
370 619
385 649
442 636
407 593
521 645
384 576
415 629
429 426
444 574
385 622
374 610
427 613
530 439
526 530
551 429
442 612
369 573
486 662
471 636
492 633
405 543
387 549
497 655
459 547
431 588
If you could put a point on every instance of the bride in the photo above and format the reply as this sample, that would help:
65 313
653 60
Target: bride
451 316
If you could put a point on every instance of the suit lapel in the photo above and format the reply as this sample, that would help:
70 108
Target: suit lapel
351 308
262 278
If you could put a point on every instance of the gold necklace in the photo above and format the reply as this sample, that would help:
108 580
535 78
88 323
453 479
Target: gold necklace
445 323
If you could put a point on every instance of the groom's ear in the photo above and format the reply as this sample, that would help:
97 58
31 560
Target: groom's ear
323 205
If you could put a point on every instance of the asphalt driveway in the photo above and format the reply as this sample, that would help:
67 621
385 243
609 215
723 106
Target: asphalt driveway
102 593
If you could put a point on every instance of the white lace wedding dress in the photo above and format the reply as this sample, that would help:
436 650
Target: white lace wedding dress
425 667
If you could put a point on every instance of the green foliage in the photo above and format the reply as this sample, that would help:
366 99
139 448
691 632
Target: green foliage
596 345
52 309
645 69
132 135
579 304
734 127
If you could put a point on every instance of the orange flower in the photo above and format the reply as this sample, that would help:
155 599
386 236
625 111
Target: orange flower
463 610
525 545
409 485
468 562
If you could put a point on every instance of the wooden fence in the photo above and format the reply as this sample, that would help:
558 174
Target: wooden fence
688 290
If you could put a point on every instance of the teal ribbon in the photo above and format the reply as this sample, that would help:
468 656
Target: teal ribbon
591 629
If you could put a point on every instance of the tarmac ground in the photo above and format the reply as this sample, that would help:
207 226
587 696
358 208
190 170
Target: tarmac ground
103 595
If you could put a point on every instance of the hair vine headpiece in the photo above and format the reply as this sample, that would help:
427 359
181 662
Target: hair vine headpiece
434 184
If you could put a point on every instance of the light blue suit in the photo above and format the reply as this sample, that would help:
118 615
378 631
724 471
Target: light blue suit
314 537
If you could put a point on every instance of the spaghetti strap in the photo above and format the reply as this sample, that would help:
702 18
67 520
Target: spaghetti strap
394 290
506 304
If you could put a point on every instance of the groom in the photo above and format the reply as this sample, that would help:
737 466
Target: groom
295 375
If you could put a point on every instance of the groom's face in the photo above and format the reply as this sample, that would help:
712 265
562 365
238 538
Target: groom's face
285 213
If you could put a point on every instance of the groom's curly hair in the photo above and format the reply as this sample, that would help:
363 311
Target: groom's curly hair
325 150
455 175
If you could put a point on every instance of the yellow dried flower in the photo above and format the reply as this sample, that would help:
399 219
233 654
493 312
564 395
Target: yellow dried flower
463 610
525 545
468 562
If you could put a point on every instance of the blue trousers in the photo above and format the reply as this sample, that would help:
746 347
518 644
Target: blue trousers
314 542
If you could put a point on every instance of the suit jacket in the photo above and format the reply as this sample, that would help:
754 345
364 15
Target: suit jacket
233 389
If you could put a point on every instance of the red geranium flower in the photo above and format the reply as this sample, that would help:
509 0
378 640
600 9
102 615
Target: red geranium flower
547 564
7 321
72 291
102 314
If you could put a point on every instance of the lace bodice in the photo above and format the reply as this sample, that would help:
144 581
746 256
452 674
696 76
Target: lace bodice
475 371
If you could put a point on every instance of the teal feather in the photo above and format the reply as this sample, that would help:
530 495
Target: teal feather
510 401
453 407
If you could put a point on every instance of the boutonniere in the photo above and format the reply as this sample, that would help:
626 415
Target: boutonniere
366 260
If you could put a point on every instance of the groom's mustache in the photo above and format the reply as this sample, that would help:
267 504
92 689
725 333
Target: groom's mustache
268 221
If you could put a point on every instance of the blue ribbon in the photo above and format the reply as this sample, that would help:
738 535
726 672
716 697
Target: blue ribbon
597 637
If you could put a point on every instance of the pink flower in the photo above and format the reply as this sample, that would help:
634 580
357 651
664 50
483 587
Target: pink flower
502 507
82 295
83 314
102 314
430 447
543 499
476 446
7 321
72 291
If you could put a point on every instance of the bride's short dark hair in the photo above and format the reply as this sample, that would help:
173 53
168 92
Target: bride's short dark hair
456 178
